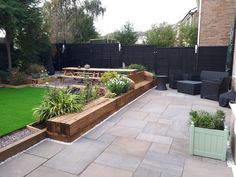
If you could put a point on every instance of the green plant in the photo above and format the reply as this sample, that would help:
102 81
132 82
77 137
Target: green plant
127 35
138 67
108 75
208 120
4 77
36 69
118 85
110 95
58 102
17 78
161 35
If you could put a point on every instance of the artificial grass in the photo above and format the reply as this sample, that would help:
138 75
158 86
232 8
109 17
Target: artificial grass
16 107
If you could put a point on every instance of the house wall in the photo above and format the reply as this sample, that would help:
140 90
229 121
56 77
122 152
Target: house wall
216 21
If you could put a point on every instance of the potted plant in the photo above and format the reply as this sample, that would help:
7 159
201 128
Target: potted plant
208 134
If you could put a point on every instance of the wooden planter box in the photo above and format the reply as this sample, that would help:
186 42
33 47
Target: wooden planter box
23 144
208 142
69 127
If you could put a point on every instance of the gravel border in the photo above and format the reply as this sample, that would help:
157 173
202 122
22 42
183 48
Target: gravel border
15 136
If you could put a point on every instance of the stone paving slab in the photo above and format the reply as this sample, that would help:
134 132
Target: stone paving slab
155 138
21 165
116 154
156 128
120 161
46 149
78 156
128 146
123 131
97 170
166 163
106 138
196 168
49 172
161 148
146 171
99 130
136 115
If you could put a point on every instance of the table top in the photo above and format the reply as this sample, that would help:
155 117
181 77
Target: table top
98 69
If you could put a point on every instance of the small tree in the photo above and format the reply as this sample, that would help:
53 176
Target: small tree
72 20
188 35
126 35
162 35
22 22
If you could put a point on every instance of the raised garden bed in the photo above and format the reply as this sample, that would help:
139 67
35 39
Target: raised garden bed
69 127
21 140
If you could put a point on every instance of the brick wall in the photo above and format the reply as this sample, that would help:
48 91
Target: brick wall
216 20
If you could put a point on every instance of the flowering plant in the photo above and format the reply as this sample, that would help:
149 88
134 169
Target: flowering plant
118 85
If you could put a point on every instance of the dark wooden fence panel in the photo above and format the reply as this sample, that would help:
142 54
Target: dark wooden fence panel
139 54
160 60
96 55
104 55
212 58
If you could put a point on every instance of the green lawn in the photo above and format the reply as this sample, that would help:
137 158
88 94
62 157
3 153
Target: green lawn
16 107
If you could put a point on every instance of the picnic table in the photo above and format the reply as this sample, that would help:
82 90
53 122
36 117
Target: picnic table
91 73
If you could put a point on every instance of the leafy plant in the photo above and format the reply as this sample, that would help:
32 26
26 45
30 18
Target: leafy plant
58 102
188 35
110 95
208 120
4 77
162 35
108 75
17 78
36 68
118 85
138 67
127 35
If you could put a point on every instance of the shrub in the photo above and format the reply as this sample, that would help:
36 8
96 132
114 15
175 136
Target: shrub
37 71
58 102
110 95
108 75
36 68
208 120
4 77
138 67
17 78
118 85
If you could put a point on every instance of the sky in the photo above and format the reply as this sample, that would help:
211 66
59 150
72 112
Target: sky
141 13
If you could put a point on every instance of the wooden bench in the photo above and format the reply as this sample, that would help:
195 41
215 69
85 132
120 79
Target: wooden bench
141 78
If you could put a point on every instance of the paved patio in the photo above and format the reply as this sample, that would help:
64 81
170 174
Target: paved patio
148 138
